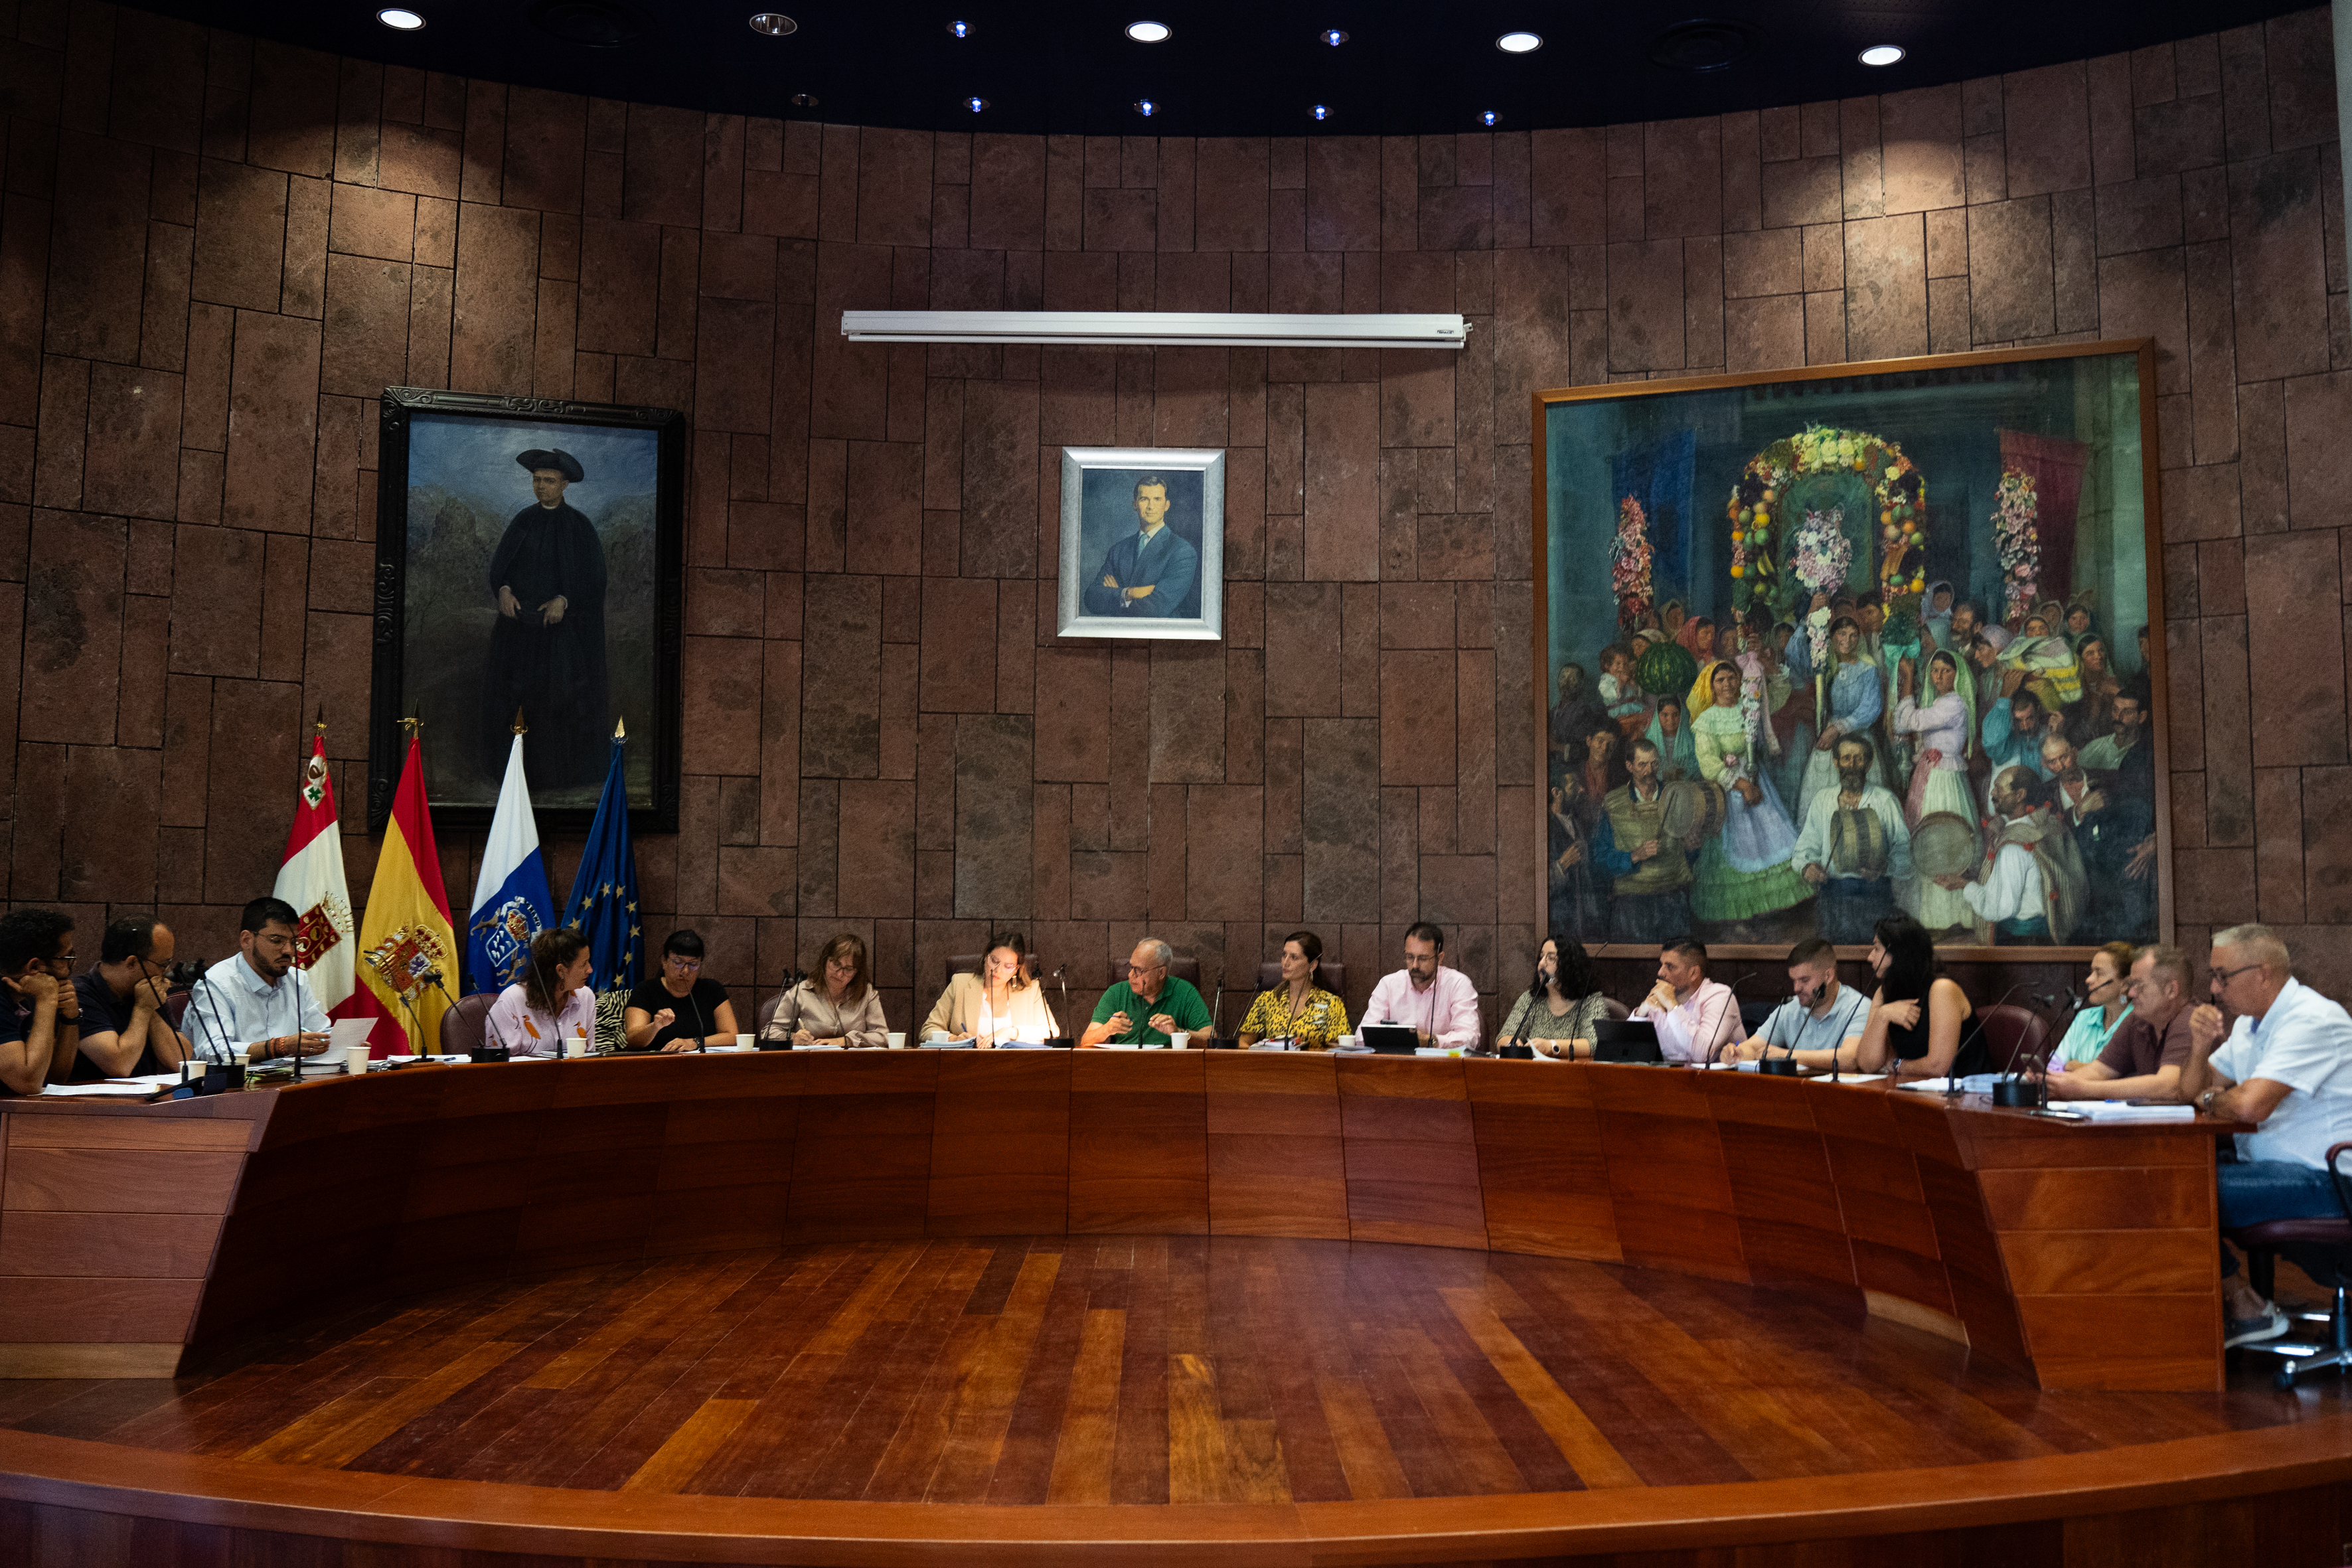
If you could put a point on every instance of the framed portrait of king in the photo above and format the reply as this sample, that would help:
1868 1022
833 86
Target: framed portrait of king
1143 543
1818 646
528 563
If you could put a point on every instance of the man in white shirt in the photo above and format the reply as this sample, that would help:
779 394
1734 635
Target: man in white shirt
2031 887
2286 1066
1697 1017
1439 1005
258 1002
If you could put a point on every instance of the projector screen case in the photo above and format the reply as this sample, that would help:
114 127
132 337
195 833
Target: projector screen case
1177 326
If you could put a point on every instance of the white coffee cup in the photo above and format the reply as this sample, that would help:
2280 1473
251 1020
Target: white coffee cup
898 1039
743 1042
573 1045
1180 1040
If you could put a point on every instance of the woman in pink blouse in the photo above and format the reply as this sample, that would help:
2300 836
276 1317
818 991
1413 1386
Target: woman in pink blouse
551 1002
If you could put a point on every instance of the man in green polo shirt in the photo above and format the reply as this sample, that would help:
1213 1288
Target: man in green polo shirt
1148 1006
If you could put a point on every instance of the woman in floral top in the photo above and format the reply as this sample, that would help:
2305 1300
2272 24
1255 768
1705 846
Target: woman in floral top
1298 1010
1559 1011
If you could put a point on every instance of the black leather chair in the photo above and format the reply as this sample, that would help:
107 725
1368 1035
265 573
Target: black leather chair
2321 1249
1330 976
464 1026
969 963
2013 1033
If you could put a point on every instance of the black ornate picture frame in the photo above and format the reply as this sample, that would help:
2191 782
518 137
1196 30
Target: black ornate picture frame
455 498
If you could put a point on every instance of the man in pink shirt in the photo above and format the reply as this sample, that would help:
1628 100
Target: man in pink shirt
1440 1004
1696 1017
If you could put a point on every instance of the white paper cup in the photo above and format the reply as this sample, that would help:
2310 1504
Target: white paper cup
572 1045
743 1042
898 1039
1180 1040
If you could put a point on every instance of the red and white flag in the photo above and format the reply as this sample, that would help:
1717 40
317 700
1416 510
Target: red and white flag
312 879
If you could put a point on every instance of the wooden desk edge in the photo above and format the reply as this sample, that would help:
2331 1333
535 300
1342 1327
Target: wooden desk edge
109 1478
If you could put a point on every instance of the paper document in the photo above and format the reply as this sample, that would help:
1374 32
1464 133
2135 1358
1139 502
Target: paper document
964 1043
342 1034
1978 1083
2124 1110
122 1089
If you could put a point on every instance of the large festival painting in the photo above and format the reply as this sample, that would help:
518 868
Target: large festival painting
1819 646
527 572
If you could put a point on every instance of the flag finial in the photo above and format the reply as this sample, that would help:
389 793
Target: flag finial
413 725
518 727
620 729
319 724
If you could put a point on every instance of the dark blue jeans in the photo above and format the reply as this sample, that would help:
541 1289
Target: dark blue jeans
2255 1191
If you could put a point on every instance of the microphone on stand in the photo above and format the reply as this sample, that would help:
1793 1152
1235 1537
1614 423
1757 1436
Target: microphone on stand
702 1034
1731 1000
2013 1087
1785 1065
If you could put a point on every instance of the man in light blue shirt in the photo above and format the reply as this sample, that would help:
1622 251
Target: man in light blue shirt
256 1001
1149 573
1817 1020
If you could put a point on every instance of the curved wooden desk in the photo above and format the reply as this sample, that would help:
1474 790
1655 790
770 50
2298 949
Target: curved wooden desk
2084 1253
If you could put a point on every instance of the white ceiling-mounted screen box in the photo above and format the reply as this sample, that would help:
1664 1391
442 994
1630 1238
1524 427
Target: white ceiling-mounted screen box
1204 327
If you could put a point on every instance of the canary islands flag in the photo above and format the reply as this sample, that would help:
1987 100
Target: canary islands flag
406 940
510 901
603 902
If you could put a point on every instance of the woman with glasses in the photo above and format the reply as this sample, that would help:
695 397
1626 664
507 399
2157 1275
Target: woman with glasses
677 1010
1002 1002
835 1006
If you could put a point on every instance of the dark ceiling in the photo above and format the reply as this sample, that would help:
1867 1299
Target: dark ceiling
1229 70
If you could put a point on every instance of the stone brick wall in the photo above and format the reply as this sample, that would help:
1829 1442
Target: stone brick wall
214 252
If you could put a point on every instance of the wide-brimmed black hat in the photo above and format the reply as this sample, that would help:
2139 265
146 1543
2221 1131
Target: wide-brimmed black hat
557 459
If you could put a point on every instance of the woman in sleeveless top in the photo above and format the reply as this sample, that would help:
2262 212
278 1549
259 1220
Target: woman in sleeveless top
1921 1024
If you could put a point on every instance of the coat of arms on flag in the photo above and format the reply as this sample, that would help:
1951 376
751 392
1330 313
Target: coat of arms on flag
402 959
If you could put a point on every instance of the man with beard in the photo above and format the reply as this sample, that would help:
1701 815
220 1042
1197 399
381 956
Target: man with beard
547 644
255 1000
1854 847
1578 899
1577 713
1651 867
2119 843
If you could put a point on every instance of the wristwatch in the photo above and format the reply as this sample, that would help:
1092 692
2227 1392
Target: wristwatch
2205 1100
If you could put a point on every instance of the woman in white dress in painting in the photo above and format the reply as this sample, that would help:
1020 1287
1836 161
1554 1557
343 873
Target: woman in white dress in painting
1939 777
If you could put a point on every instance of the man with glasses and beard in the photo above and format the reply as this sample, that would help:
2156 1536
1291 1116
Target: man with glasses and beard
255 1000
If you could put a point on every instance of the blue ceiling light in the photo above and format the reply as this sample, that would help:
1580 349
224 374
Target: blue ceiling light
1489 118
961 29
1146 108
1333 36
975 104
1321 111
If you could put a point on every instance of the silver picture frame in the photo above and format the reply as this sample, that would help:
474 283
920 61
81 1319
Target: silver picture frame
1103 504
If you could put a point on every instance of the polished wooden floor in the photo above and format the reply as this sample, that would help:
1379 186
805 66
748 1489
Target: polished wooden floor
1148 1370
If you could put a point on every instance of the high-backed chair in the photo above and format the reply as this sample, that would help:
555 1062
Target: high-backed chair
1616 1009
1329 974
765 1011
465 1025
2014 1034
2321 1249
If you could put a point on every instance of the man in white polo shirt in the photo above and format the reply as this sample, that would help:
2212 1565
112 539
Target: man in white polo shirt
2287 1066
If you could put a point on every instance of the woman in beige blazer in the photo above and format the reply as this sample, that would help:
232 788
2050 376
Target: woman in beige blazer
1002 1002
835 1006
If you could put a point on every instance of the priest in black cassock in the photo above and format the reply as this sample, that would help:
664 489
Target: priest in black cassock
547 644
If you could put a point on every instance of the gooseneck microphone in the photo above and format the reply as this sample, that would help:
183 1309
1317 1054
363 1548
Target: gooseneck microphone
702 1034
2011 1087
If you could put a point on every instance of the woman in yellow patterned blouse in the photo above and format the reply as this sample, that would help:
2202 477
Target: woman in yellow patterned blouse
1298 1010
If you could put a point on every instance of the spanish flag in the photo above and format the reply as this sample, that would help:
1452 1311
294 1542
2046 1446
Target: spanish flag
408 945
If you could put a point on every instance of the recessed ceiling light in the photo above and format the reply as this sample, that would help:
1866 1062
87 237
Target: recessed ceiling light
1148 32
1882 54
1520 43
1488 117
776 24
1334 37
1321 111
975 104
804 100
961 29
1146 108
394 16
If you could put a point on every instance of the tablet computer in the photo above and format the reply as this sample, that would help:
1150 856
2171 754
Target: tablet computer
1390 1039
1626 1040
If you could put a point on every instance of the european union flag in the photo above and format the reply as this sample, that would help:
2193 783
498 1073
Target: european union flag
603 902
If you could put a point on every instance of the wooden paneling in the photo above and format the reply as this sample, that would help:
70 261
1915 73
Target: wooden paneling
436 1175
84 1310
1140 1142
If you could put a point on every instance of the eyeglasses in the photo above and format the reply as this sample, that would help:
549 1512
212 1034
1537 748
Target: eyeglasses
1145 968
688 964
2223 976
